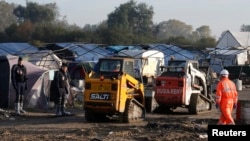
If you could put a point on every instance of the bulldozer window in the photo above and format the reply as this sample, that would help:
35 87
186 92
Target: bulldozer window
195 65
110 65
176 66
129 68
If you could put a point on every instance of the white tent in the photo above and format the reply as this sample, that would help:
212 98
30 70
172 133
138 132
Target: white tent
236 40
45 59
222 58
147 61
38 84
84 52
172 50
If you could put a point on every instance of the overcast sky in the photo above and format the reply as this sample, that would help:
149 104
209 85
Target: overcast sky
219 15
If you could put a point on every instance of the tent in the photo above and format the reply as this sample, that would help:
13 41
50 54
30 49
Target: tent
236 40
38 85
118 48
223 58
79 51
147 62
45 59
172 50
17 48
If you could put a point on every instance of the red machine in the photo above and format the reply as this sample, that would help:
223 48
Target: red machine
183 84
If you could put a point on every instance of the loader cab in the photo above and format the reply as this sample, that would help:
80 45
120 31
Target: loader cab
115 66
177 65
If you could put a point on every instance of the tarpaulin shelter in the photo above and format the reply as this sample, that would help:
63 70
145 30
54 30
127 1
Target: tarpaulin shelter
118 48
45 59
222 58
78 51
18 49
147 62
172 50
38 84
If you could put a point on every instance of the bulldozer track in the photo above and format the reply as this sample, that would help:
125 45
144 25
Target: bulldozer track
134 111
199 104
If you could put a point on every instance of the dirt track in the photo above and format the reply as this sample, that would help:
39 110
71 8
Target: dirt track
156 127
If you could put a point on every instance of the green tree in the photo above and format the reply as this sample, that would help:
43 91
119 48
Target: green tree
37 13
130 22
6 14
206 42
172 28
21 32
245 28
204 31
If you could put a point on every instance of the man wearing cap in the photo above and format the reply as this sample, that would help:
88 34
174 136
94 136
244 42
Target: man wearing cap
19 82
226 98
62 84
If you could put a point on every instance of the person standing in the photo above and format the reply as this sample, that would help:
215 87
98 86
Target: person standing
62 80
19 82
226 98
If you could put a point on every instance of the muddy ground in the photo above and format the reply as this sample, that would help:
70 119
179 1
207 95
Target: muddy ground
177 126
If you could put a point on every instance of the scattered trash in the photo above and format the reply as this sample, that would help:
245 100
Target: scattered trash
204 136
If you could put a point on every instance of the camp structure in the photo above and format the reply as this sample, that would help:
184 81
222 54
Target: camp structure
147 62
117 48
236 40
172 51
222 58
79 51
232 49
18 49
45 59
38 84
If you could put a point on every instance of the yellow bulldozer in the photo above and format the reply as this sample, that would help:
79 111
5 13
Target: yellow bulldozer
113 92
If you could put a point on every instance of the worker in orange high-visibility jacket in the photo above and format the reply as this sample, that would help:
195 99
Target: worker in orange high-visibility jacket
226 98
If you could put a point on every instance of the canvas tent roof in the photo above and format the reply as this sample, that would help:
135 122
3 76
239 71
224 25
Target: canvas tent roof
35 96
220 58
141 53
91 52
227 52
45 59
17 48
170 50
229 40
118 48
78 51
243 38
61 50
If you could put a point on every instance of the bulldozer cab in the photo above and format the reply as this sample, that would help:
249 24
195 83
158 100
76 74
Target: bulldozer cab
177 66
115 66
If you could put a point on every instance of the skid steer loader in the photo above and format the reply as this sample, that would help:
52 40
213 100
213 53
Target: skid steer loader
183 84
113 92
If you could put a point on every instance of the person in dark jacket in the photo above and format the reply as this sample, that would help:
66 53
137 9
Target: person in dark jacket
19 82
62 80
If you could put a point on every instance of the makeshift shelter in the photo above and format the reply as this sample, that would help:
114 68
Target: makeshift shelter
235 40
45 59
78 69
91 52
62 50
230 57
172 50
78 51
147 62
232 49
38 85
118 48
18 49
